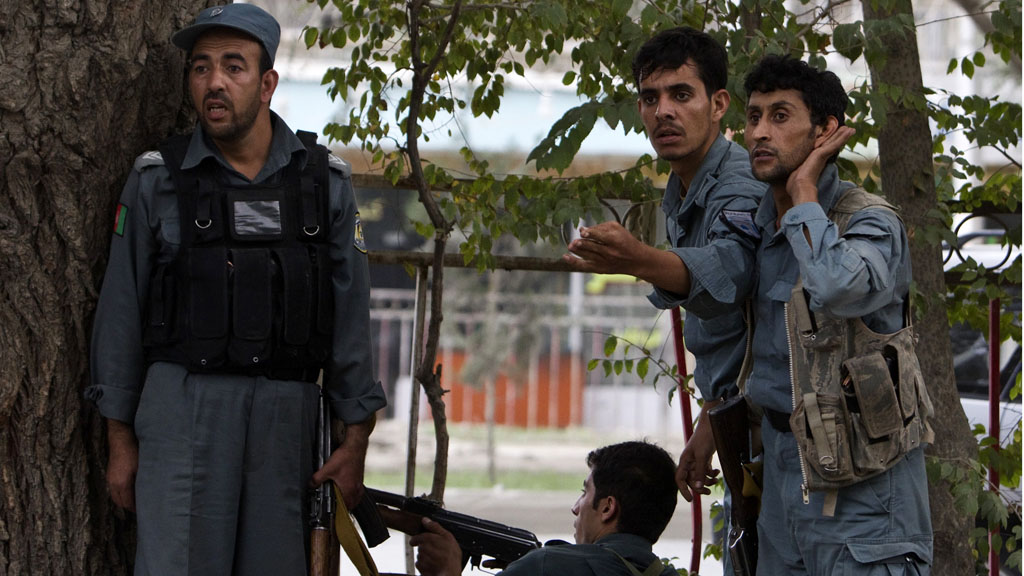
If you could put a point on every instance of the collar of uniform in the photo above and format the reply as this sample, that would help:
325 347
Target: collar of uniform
709 168
828 193
283 146
828 187
625 539
766 212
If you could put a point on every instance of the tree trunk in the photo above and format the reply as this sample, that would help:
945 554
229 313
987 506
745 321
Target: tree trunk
84 88
905 151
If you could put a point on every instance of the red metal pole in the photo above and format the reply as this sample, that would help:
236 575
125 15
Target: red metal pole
684 405
993 415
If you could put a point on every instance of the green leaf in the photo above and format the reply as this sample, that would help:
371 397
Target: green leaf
609 345
849 40
967 67
310 36
620 8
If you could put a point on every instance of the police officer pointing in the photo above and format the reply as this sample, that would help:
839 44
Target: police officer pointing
237 279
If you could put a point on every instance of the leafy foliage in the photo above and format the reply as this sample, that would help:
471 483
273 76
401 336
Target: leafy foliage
640 360
490 44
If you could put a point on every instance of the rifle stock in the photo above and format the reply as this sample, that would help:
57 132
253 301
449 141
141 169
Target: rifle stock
477 537
320 553
324 546
730 425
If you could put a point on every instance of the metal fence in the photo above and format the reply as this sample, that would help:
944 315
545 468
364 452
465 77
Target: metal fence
532 351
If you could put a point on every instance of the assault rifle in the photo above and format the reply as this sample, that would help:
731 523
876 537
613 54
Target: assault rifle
730 425
324 545
476 537
324 559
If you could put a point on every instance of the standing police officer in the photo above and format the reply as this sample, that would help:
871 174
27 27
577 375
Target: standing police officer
237 274
709 205
845 407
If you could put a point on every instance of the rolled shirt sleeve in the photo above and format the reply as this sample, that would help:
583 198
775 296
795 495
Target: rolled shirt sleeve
117 363
353 391
720 270
854 275
712 231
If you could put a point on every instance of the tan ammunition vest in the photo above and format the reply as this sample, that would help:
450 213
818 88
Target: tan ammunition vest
859 399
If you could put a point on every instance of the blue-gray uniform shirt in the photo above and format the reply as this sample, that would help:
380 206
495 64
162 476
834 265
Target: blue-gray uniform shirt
712 230
865 273
151 235
595 559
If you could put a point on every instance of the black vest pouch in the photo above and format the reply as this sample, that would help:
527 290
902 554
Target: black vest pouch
161 308
208 305
324 291
252 306
297 279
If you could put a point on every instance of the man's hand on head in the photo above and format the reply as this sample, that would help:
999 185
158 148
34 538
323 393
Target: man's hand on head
802 185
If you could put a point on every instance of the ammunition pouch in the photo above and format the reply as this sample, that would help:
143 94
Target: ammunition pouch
854 417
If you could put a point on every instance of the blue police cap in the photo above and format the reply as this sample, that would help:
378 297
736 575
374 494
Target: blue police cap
247 18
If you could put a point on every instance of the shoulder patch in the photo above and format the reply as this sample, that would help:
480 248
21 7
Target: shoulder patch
339 164
358 240
740 222
120 217
147 159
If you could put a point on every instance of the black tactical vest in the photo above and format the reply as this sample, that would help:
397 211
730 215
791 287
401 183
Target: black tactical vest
250 288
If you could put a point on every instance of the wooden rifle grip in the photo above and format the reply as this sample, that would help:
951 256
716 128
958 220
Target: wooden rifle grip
323 553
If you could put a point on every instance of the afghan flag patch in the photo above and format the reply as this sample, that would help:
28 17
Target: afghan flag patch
119 219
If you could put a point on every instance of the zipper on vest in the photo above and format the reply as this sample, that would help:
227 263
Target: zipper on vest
792 386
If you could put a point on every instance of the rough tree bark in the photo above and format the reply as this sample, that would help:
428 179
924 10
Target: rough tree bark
85 85
905 152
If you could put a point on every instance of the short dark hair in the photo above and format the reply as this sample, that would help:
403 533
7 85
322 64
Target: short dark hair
821 90
670 49
641 477
265 62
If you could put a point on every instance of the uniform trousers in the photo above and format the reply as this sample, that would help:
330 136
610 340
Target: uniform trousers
882 525
224 466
